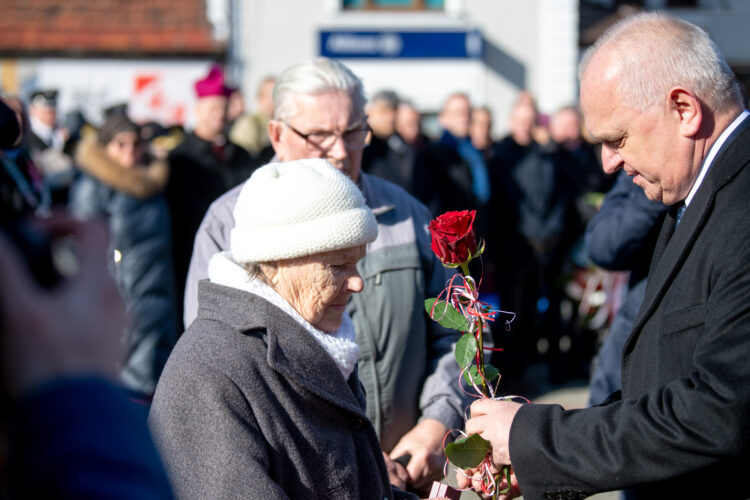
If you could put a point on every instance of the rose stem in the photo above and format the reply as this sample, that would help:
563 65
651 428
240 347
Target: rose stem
479 337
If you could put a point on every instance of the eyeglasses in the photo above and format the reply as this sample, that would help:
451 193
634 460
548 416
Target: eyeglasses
355 138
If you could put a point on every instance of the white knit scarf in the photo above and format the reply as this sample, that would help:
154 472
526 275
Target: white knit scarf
339 345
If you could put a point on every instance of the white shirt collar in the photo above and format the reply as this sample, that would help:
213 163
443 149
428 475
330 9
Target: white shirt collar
712 154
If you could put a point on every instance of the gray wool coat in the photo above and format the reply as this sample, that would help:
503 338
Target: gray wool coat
250 406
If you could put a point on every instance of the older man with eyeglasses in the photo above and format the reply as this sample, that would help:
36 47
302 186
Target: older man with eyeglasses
406 362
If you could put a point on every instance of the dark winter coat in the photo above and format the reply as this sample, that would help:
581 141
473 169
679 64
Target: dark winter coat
140 253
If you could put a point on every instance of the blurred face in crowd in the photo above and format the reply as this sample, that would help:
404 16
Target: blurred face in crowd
265 97
124 148
235 105
45 114
565 128
211 117
655 146
325 126
456 115
319 286
480 130
522 122
408 123
381 117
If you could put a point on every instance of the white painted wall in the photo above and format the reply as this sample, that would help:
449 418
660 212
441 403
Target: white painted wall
533 45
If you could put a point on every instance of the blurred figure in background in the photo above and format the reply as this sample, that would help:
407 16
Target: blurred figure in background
235 107
30 192
566 130
250 130
480 132
448 180
409 126
125 188
455 118
201 168
388 156
46 144
533 212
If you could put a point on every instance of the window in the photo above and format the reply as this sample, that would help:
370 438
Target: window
393 5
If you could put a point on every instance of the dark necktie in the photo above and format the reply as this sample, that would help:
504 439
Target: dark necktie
680 209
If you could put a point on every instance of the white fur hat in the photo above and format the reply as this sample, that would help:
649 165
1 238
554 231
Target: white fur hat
299 208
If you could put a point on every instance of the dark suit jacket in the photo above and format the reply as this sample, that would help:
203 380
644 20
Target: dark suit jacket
682 427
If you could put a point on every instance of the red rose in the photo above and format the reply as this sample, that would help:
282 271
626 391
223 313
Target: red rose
453 239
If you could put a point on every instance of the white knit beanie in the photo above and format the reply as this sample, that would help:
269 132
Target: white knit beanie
299 208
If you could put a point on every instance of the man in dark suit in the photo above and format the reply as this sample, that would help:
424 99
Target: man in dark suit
669 112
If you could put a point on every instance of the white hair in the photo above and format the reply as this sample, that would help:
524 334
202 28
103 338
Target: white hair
317 76
655 52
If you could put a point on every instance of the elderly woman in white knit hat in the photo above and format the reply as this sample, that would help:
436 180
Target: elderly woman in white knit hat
260 397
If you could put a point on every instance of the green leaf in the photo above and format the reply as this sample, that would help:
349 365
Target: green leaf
490 373
446 315
466 350
467 452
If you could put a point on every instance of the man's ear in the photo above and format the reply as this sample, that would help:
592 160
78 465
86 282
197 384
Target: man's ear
687 109
274 133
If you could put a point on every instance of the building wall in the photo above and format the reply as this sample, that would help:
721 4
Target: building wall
530 45
160 90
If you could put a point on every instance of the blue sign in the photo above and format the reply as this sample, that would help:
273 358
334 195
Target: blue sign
401 44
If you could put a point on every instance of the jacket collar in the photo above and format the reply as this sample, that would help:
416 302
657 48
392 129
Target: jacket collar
373 197
674 244
290 347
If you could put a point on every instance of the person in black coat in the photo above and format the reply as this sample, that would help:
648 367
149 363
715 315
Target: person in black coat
681 425
118 184
203 167
534 222
388 156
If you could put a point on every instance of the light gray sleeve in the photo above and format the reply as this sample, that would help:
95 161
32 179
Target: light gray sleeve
212 237
442 398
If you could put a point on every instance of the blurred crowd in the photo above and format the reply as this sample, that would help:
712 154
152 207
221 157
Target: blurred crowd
534 191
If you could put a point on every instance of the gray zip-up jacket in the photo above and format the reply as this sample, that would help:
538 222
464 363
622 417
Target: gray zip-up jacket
406 360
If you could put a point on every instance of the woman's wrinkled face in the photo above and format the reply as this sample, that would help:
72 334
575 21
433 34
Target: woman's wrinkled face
319 286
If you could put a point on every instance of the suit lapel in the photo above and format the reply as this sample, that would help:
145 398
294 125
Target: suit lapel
672 248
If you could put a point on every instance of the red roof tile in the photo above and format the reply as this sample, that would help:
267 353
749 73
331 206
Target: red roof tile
157 27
